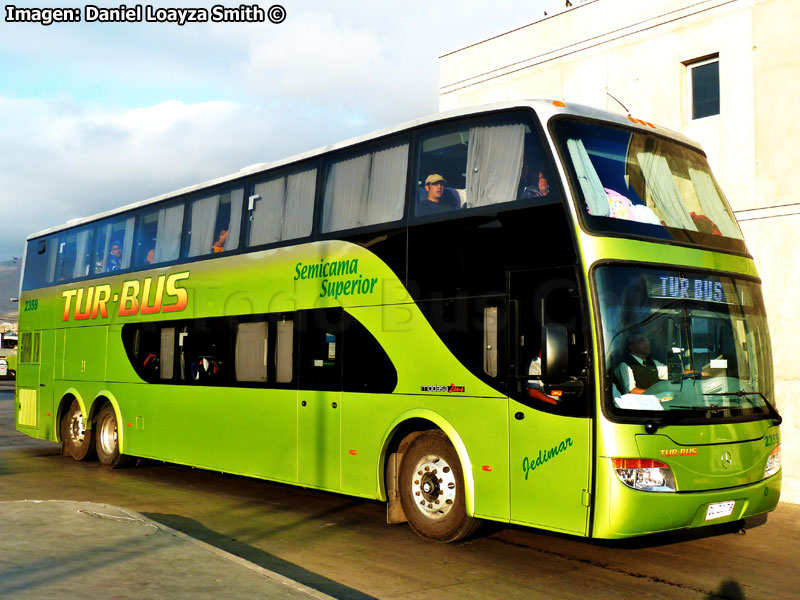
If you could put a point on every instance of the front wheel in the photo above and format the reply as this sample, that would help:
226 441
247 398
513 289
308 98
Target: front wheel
108 440
432 489
76 440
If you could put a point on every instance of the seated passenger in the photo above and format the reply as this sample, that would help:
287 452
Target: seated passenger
114 255
638 371
436 197
219 245
532 184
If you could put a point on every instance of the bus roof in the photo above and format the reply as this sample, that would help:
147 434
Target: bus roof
545 109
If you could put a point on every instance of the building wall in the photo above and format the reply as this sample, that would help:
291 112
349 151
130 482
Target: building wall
637 52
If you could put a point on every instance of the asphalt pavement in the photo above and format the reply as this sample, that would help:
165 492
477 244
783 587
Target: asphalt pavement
62 549
65 549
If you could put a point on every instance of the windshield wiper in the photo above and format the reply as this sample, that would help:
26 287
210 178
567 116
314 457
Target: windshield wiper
672 417
777 419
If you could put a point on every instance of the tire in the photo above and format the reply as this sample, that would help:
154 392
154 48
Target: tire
76 440
107 440
432 489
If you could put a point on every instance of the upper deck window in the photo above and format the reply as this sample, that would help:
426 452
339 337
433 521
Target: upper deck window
633 182
282 208
158 235
215 222
113 245
479 164
366 189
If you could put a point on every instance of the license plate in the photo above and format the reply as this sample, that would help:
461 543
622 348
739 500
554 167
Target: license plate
719 510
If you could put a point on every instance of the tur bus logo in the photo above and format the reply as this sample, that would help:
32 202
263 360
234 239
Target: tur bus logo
150 296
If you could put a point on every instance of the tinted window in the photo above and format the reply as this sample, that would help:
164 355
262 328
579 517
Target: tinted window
282 208
214 223
479 164
158 235
705 89
113 244
365 189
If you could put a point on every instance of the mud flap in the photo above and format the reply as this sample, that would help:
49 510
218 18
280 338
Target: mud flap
394 508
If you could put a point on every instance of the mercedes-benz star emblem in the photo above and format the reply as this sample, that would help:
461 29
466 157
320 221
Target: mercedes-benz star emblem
726 460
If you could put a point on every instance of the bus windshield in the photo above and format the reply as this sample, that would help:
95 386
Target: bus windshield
633 182
678 341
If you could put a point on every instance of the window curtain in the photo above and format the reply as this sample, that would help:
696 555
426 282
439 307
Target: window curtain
494 163
52 258
235 224
168 234
713 204
299 212
167 360
103 244
83 253
251 352
285 209
387 185
268 212
658 177
346 193
284 351
127 245
593 193
204 219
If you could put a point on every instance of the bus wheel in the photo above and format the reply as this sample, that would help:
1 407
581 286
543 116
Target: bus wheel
107 440
75 438
432 490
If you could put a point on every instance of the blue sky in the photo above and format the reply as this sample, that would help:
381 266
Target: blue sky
97 115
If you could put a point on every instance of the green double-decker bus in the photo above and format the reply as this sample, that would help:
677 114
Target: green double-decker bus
531 312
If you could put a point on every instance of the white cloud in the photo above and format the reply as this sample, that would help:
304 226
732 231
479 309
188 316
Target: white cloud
95 116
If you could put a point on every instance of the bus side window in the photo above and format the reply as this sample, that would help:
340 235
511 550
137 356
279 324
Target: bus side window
320 364
113 244
158 236
366 189
214 223
282 208
74 254
252 346
205 353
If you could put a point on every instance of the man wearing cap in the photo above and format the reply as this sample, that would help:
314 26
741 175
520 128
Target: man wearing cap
435 200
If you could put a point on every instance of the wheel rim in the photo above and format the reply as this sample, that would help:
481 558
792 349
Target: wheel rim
434 487
77 432
108 434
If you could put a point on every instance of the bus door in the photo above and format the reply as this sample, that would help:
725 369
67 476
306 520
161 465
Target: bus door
319 399
35 380
550 428
46 369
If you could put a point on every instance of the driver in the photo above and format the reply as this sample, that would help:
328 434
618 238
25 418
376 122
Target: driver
638 371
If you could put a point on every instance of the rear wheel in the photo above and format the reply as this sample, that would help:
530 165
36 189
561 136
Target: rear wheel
107 439
432 489
75 438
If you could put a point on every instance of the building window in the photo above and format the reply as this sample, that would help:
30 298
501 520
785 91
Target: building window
704 87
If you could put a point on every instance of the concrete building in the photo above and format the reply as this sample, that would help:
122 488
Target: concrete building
724 72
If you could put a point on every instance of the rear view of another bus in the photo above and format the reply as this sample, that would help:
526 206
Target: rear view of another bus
8 354
687 431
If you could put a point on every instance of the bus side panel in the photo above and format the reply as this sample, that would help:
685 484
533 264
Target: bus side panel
244 431
85 353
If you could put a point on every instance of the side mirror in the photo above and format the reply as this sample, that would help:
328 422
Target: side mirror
555 352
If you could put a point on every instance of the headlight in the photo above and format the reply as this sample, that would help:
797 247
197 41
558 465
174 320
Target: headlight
644 474
773 462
